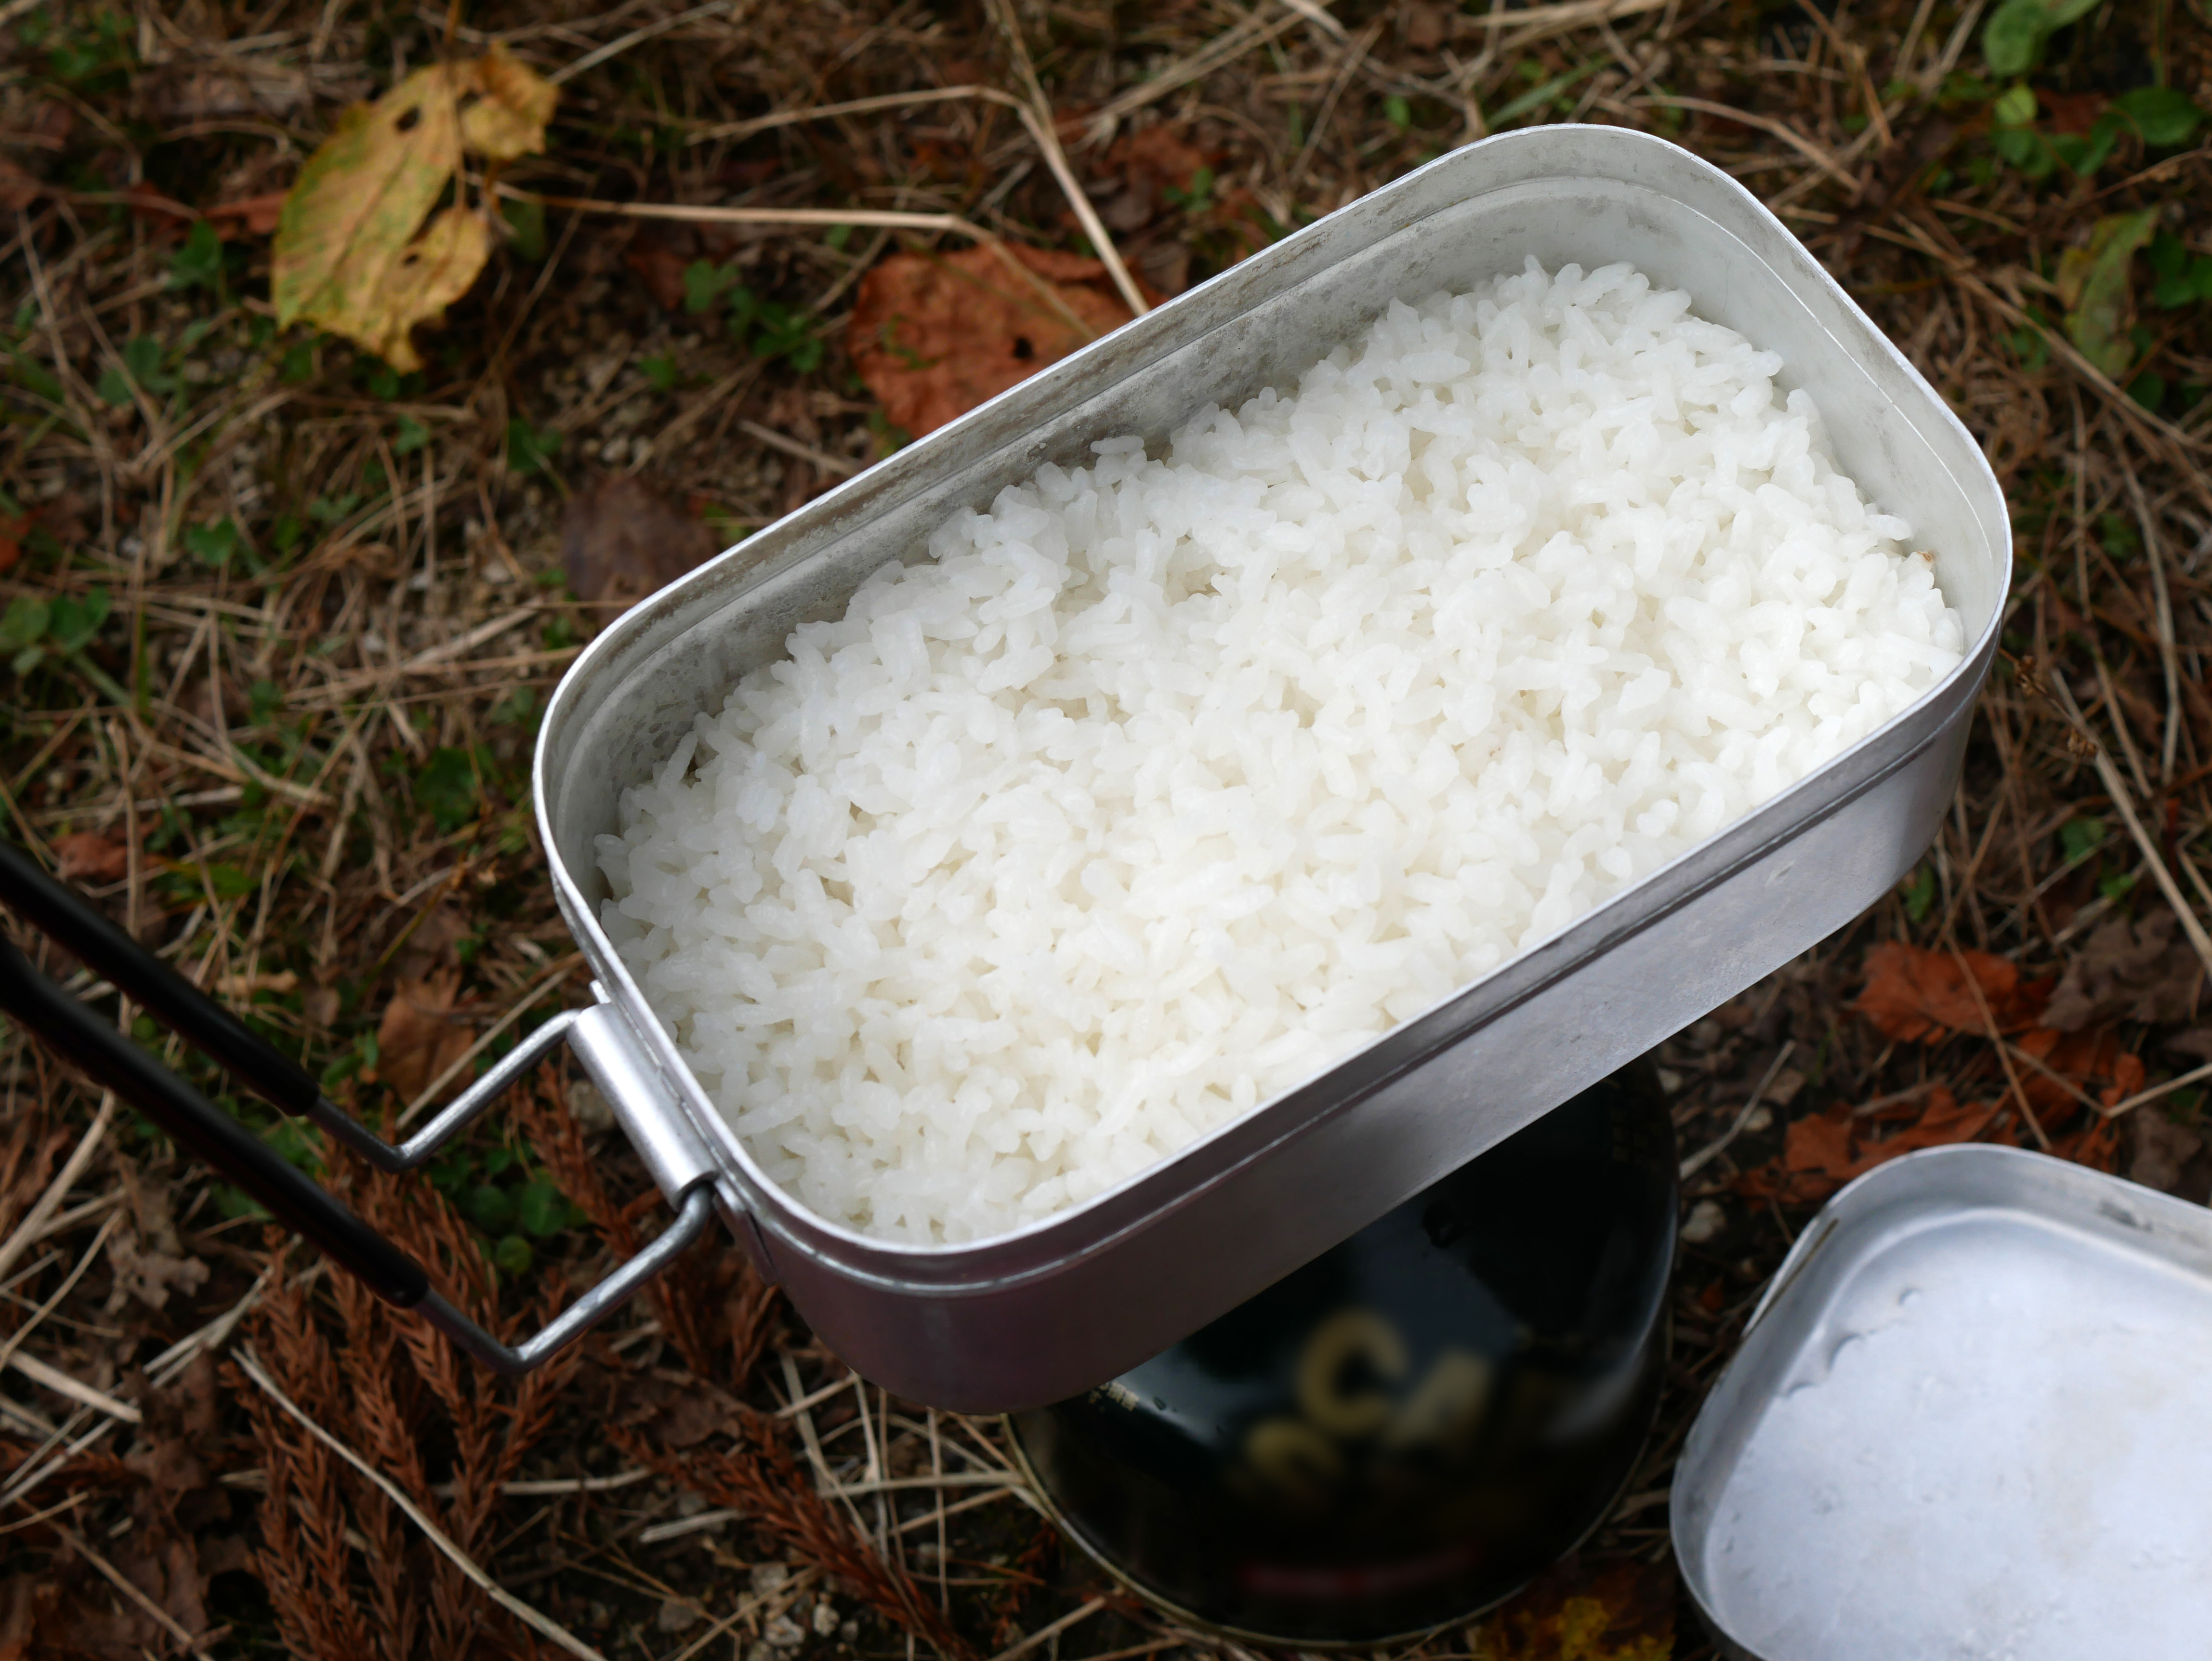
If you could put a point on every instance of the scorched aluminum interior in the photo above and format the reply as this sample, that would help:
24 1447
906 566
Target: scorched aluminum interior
1039 1314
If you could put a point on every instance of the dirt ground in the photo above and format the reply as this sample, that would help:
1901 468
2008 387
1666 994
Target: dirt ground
280 621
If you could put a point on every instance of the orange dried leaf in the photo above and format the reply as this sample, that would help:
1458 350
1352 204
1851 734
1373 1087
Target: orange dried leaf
2097 1145
2129 1076
2089 1060
934 335
1820 1146
1823 1151
1945 1121
1916 995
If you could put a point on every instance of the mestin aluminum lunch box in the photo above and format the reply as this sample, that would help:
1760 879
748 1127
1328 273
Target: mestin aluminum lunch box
1971 1417
1046 1311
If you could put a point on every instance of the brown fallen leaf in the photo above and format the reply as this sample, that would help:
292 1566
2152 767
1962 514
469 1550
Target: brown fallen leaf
88 1618
621 540
1160 158
2129 971
1913 995
164 214
351 252
1149 162
421 1034
673 1415
18 188
224 1554
181 1430
432 943
934 335
250 216
63 517
177 93
2197 1041
2162 1154
1427 26
1619 1610
148 1274
2073 113
165 1565
23 1598
657 262
89 856
53 120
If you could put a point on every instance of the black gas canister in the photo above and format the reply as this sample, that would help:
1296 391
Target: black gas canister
1402 1431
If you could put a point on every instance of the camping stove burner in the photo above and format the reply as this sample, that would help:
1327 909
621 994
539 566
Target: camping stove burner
1401 1432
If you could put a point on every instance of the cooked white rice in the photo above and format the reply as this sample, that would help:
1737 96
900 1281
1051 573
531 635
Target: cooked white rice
1172 779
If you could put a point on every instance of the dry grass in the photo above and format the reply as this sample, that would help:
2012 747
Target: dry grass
292 756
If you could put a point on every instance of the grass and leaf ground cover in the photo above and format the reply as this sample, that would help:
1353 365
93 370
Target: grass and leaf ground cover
362 360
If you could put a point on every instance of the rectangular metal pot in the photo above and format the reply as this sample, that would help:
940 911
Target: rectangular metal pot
1039 1314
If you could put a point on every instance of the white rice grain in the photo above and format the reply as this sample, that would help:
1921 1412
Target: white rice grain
1171 780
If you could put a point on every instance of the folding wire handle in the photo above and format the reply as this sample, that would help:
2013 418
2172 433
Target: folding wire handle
49 1015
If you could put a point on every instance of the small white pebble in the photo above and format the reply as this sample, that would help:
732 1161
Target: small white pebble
784 1633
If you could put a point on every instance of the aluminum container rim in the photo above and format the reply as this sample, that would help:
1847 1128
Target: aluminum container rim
1765 827
1863 1194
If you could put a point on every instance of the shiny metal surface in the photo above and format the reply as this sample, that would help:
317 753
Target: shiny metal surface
1401 1433
1043 1312
607 1046
456 1116
640 1095
695 1211
1970 1418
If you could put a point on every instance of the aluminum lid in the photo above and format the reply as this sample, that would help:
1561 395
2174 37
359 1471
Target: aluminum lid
1971 1418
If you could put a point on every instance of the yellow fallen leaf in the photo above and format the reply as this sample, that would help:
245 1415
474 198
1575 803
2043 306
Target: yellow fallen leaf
351 253
509 120
2096 283
432 271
